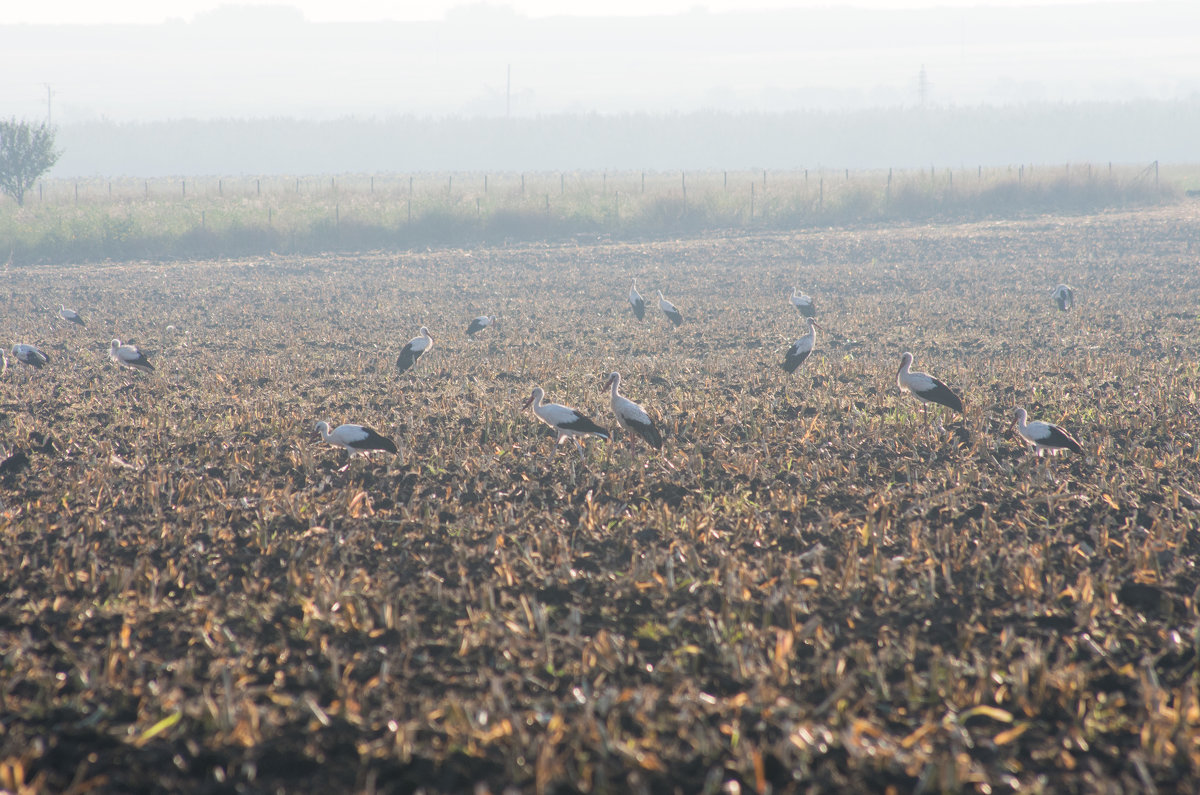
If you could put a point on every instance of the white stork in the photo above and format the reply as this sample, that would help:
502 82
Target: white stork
129 356
800 350
566 422
355 439
635 301
631 416
1044 436
669 309
30 355
925 387
479 324
1064 296
414 349
804 303
69 315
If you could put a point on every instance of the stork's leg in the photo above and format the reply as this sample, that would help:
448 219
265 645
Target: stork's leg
579 447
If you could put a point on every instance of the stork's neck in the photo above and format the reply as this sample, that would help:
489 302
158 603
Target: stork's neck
616 383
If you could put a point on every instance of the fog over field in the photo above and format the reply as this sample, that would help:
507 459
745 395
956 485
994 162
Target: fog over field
822 65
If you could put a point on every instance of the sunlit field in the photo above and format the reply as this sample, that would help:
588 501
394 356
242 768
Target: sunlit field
813 586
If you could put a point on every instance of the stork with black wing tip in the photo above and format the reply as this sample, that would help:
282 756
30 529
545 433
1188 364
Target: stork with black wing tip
129 357
803 303
632 417
566 422
925 387
669 309
1064 297
1044 437
636 302
801 349
70 315
355 439
479 324
415 349
30 355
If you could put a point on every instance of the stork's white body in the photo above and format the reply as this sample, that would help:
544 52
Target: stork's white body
129 356
1044 437
30 355
479 324
636 301
803 303
925 387
632 417
801 349
566 422
69 315
415 348
355 439
669 309
1063 296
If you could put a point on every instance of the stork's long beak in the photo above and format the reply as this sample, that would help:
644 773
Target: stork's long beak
607 384
527 402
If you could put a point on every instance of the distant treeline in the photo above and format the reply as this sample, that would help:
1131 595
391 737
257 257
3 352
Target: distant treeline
1128 132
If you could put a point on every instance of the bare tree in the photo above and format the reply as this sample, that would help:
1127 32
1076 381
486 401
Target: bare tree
26 152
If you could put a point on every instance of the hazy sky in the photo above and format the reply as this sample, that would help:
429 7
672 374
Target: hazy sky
200 59
152 11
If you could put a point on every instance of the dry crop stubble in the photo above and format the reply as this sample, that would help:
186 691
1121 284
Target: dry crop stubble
818 592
